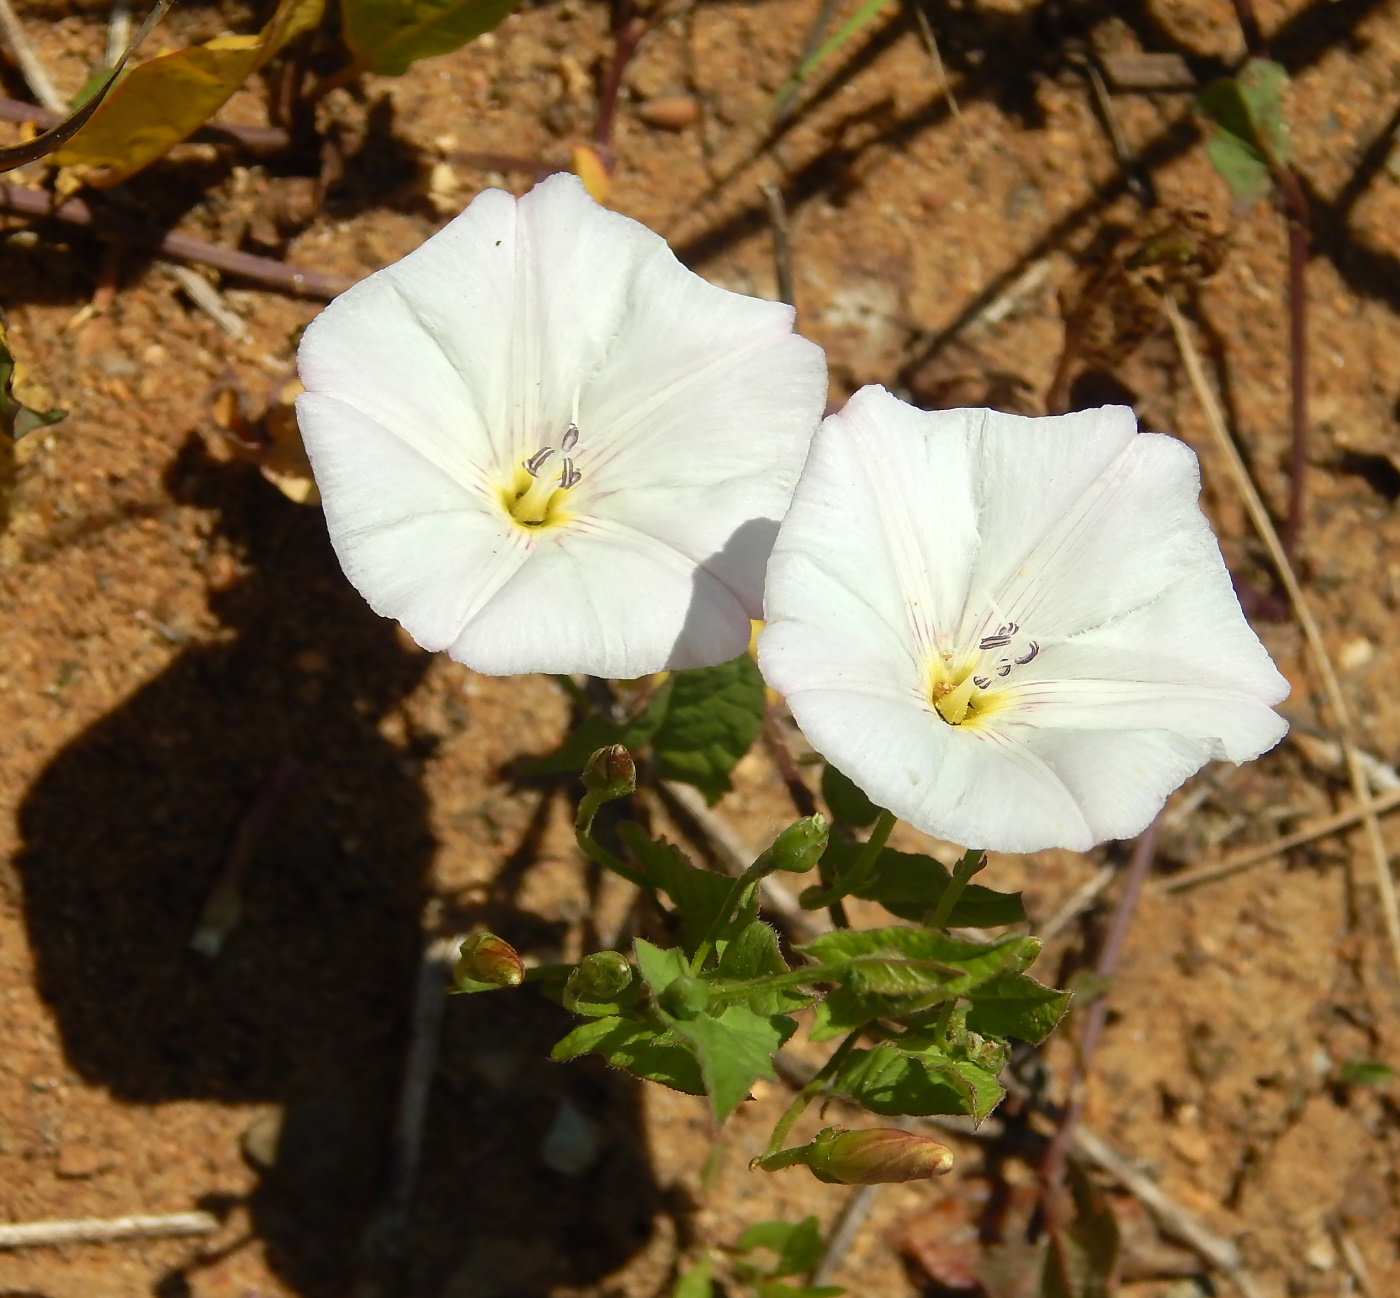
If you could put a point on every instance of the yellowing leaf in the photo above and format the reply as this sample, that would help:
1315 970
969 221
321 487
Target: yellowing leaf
164 100
385 36
589 168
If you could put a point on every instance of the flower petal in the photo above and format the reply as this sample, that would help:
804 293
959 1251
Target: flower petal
429 552
577 599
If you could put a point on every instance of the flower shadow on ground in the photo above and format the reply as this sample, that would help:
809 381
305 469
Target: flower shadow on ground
124 833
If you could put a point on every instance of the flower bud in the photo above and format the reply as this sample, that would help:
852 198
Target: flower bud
486 958
610 773
876 1156
685 998
600 976
798 848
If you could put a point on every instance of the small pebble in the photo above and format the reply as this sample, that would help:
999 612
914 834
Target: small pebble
670 112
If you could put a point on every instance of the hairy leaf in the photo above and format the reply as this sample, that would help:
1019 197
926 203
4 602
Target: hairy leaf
385 36
1015 1005
164 100
643 1049
753 953
714 715
700 896
910 886
889 1080
734 1048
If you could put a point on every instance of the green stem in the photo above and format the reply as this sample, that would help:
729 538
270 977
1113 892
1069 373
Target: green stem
808 1093
595 851
945 1018
972 861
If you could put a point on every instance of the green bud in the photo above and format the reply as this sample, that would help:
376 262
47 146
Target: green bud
486 958
610 773
876 1156
685 998
798 848
600 976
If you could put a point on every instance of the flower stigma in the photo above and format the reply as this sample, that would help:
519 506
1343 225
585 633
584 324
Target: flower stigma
534 497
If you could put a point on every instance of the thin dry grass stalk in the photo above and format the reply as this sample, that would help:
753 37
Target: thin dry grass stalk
1312 633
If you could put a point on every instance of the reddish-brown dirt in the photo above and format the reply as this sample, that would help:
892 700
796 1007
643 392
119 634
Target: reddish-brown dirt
175 628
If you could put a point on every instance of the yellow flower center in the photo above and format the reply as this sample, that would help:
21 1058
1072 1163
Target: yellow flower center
534 496
957 693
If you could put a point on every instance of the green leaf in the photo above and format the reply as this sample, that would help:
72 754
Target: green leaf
1251 139
699 895
695 1283
1015 1005
387 35
889 1080
753 953
734 1048
846 801
643 1049
797 1244
910 886
659 969
597 731
715 714
162 101
1365 1072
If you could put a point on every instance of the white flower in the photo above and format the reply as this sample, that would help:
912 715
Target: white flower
545 445
1013 633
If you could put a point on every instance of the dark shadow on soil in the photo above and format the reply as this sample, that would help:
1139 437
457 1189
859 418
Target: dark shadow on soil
308 1003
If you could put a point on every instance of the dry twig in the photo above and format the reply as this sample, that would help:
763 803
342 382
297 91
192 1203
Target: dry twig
1079 901
179 247
1312 633
782 240
208 299
844 1231
1258 855
102 1230
31 67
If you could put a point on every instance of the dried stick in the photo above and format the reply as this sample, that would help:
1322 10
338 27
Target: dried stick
931 43
1079 901
809 47
35 74
180 247
102 1230
1096 1016
782 240
1257 855
207 298
1312 633
844 1231
798 791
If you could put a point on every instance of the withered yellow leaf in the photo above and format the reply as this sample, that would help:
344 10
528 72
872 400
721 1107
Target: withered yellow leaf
164 100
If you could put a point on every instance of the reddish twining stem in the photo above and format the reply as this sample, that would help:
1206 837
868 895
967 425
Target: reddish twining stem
629 27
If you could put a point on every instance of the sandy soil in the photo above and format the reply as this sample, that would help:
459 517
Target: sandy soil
175 630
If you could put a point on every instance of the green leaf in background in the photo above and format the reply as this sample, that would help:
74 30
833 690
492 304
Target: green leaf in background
597 732
909 885
891 1081
162 101
1015 1005
643 1049
847 802
798 1245
695 1283
777 1289
385 36
1365 1072
699 895
715 714
1251 137
1082 1260
734 1048
753 953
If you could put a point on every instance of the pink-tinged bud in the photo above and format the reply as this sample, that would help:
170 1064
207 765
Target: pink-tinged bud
486 958
876 1156
610 773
